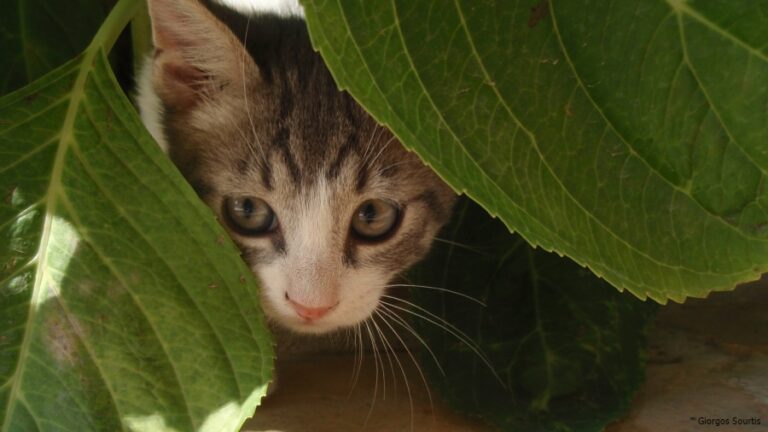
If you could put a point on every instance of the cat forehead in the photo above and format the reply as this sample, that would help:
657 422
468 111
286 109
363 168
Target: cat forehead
292 145
292 109
303 168
283 124
305 137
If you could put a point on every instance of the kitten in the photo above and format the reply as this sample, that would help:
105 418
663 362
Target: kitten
325 204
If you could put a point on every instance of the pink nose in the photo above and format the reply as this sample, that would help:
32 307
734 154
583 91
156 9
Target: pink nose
310 313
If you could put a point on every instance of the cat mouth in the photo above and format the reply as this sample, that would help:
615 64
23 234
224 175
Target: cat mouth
307 326
312 327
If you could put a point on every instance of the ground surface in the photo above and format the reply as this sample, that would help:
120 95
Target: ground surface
708 361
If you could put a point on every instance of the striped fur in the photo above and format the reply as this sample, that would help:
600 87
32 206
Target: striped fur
261 116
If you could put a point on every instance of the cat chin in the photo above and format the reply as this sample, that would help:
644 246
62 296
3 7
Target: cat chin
314 328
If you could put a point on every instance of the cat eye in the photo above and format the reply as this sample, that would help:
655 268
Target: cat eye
249 216
375 219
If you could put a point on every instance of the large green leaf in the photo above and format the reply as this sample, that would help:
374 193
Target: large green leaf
38 35
628 135
568 347
124 305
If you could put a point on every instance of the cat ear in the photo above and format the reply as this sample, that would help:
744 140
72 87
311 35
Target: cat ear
196 55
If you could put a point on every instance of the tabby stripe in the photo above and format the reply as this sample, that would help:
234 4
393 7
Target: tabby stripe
335 169
362 177
266 176
397 255
432 202
281 142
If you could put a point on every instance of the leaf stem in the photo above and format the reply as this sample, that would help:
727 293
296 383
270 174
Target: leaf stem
141 36
116 21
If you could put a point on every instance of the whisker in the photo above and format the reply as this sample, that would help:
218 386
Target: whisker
474 249
445 290
381 151
243 135
400 364
380 361
358 361
353 330
390 166
410 354
448 327
404 324
386 348
245 98
369 146
376 377
430 317
251 147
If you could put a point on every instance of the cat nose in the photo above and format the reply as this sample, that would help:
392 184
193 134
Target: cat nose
310 313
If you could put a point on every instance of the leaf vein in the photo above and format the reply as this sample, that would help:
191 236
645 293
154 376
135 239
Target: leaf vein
632 149
114 270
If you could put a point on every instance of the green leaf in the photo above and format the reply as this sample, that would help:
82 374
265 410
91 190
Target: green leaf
125 306
630 136
568 347
38 35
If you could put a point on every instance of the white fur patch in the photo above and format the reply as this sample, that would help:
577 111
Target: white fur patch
285 8
150 107
315 224
313 273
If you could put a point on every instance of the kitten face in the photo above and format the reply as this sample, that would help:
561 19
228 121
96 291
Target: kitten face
325 204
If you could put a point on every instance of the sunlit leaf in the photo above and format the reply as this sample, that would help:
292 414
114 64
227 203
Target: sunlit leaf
123 304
